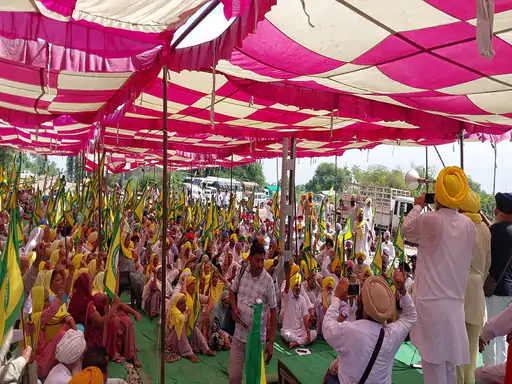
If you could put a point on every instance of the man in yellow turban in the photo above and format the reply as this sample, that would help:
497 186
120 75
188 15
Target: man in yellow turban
296 317
474 302
445 241
362 232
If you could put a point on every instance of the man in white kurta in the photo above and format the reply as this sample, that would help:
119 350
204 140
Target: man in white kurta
362 233
355 341
295 329
474 303
445 241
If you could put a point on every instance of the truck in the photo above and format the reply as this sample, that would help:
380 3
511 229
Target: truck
389 203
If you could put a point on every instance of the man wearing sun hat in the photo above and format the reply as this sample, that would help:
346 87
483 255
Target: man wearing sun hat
356 341
445 241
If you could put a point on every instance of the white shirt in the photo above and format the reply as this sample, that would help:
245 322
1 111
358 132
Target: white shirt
295 310
355 342
58 375
445 241
499 325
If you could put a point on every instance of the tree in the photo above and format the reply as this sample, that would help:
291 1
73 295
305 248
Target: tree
325 179
6 157
249 172
379 175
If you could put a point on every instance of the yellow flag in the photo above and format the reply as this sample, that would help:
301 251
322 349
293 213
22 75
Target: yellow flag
377 260
110 277
139 207
11 281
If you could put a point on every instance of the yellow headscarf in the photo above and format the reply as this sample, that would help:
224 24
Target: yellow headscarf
360 225
54 246
471 206
37 310
216 292
91 375
92 267
268 264
77 259
31 256
294 280
53 326
308 269
176 318
53 235
367 271
54 258
126 252
451 187
207 278
325 282
42 265
98 286
190 305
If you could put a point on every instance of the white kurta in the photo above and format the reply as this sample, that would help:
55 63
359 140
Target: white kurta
58 375
355 342
361 245
445 241
293 329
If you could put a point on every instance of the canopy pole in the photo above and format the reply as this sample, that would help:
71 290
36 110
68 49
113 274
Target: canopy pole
439 155
461 138
335 186
282 204
100 190
165 194
231 181
292 197
495 147
426 166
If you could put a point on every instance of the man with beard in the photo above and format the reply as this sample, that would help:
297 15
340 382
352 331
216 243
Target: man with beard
296 318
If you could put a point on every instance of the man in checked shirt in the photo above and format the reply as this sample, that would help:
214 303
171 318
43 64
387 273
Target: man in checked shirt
252 283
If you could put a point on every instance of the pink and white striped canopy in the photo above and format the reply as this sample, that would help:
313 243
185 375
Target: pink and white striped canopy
340 74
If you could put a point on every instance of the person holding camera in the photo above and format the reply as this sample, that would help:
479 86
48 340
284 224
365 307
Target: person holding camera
445 241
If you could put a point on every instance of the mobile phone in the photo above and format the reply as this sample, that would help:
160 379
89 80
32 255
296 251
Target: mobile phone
353 289
430 198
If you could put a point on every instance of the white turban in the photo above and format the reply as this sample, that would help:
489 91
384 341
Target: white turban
71 347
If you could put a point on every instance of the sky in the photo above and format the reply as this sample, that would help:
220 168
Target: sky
478 162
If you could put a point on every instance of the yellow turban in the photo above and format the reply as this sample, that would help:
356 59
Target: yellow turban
328 280
471 206
307 270
335 263
361 254
295 279
360 211
310 194
43 227
268 264
91 375
93 237
245 256
54 258
451 187
367 271
187 245
294 269
234 238
53 235
368 201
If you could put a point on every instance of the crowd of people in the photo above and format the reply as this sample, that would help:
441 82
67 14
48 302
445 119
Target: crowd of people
70 327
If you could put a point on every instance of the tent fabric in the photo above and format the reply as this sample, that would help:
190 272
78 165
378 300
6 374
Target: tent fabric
415 56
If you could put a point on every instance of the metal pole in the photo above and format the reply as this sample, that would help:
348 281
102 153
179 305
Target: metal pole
292 199
231 186
282 211
439 155
164 228
335 186
461 138
495 147
100 187
426 166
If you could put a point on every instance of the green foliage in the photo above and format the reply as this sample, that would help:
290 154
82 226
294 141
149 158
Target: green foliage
6 157
325 178
379 175
249 172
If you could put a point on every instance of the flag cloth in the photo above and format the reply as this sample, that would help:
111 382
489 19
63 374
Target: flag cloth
399 242
308 240
377 260
139 207
11 281
256 222
208 227
347 231
110 277
254 362
321 221
250 202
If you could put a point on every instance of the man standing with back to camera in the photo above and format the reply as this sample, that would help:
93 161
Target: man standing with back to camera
445 241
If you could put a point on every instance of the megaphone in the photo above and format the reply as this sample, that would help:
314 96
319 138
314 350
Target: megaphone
413 180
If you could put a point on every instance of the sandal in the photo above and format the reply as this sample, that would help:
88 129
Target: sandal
172 358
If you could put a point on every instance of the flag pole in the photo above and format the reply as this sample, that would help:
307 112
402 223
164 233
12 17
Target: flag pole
164 226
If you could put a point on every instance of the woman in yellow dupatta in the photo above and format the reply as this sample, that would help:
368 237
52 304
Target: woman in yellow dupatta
54 279
127 246
98 285
216 286
153 263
